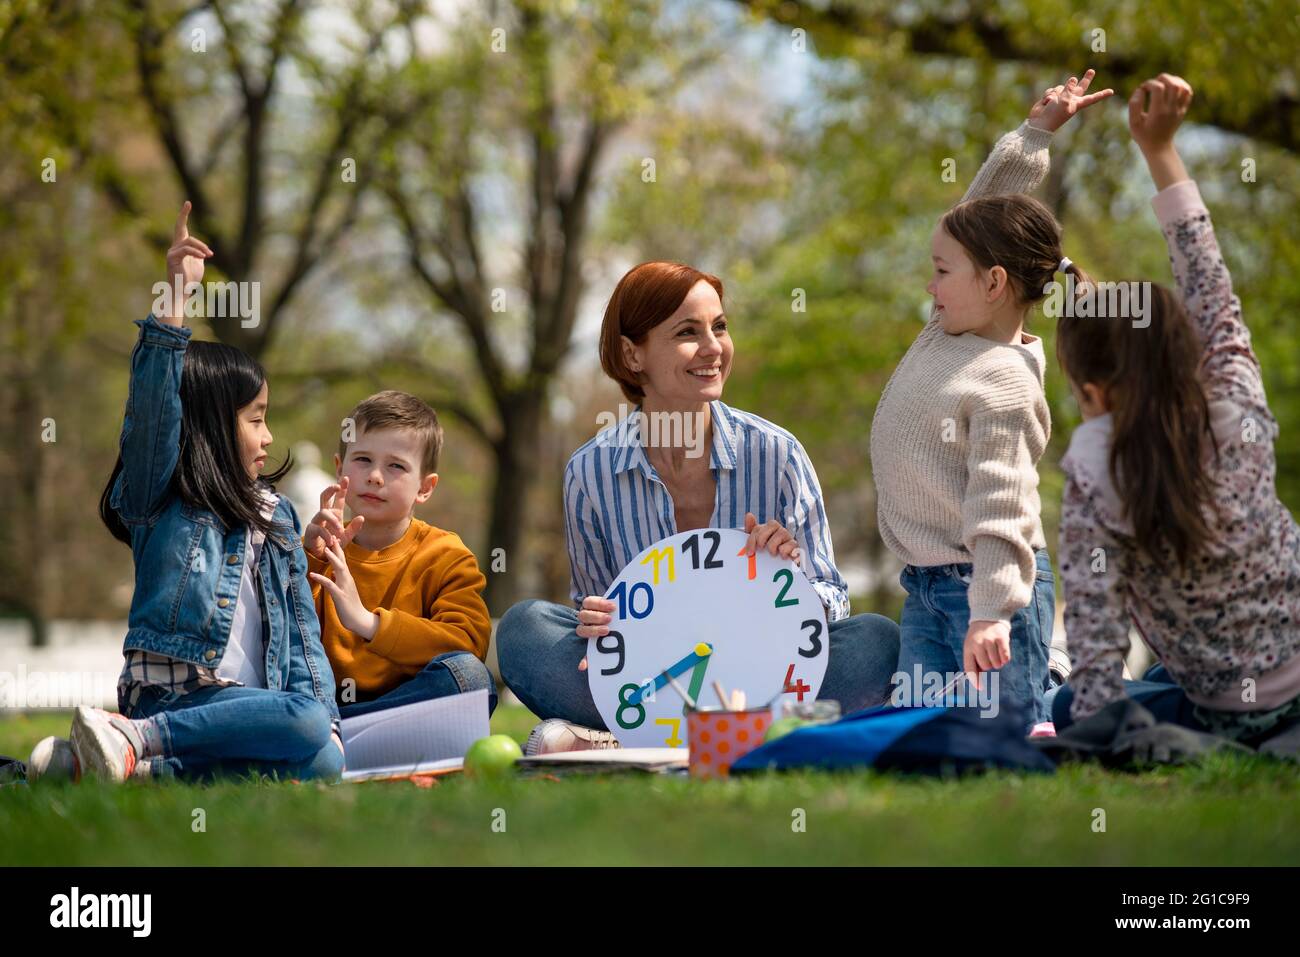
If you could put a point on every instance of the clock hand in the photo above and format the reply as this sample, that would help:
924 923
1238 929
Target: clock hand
697 683
700 653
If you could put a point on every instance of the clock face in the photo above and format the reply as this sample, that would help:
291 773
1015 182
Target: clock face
693 606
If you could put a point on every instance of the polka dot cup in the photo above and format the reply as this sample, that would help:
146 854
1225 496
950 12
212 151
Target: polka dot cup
718 738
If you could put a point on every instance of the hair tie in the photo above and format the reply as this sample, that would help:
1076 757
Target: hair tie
1064 265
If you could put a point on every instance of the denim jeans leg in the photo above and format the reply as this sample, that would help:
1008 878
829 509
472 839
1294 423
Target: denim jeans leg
255 729
454 672
862 659
1024 680
539 650
936 618
325 765
925 645
1159 674
1165 700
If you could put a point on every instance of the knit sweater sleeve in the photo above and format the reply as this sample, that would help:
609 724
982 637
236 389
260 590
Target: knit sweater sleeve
1007 433
1018 163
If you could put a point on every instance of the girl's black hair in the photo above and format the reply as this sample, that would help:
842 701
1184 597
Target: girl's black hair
217 381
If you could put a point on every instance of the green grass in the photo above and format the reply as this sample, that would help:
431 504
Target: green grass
1225 811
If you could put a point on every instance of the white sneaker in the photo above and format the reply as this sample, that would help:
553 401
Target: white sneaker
555 735
1058 664
105 744
53 760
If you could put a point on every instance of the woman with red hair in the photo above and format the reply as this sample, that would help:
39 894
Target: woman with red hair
665 342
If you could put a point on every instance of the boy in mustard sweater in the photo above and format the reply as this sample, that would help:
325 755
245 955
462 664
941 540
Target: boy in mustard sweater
400 602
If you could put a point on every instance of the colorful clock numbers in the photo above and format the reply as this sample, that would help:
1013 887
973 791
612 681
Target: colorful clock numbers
694 608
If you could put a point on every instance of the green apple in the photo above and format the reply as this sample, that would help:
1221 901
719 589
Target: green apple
783 726
493 756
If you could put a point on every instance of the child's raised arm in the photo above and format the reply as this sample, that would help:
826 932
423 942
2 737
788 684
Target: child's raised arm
151 427
1155 111
1019 161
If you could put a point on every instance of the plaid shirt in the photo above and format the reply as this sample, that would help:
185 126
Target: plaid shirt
147 669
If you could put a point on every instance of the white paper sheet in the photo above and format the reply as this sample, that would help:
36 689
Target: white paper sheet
411 736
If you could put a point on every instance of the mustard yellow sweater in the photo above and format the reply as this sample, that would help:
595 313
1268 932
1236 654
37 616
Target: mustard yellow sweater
428 592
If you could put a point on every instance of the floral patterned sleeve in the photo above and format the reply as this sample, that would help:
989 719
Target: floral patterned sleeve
1229 365
1096 619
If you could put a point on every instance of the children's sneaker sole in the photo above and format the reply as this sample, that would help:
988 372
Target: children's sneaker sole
98 746
53 760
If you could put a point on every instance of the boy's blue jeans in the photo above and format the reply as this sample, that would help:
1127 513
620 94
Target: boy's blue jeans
539 651
233 731
452 673
936 617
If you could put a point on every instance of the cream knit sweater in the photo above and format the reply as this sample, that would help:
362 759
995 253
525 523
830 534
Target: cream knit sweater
959 430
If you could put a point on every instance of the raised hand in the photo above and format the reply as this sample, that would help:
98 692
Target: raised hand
1059 103
354 615
327 525
1156 110
184 266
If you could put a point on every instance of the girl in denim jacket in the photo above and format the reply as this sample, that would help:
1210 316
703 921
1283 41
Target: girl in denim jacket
224 672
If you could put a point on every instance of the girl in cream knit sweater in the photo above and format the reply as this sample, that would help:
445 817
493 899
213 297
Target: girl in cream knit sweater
961 425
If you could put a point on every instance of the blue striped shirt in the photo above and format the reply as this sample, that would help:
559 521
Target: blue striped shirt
615 505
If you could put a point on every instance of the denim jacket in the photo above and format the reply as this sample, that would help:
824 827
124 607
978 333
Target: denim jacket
188 566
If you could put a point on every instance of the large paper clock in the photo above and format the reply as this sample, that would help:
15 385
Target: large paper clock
695 607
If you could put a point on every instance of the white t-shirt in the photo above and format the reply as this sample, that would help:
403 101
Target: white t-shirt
245 657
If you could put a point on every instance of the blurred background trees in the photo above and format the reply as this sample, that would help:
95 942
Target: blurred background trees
440 196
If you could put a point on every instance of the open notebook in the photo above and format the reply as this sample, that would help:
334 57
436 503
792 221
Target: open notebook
653 760
421 738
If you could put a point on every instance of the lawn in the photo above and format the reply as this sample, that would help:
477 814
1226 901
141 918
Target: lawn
1225 811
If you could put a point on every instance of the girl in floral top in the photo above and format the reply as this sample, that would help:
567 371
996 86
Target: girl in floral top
1170 516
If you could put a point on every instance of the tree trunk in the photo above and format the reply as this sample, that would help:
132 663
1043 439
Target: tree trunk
28 543
517 455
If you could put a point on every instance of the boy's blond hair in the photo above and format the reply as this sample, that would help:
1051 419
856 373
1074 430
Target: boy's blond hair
392 409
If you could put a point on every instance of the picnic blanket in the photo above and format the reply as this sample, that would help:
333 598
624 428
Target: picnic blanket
1124 733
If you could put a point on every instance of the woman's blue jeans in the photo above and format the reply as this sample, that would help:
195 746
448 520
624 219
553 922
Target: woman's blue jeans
936 617
539 651
235 731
